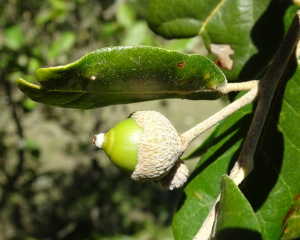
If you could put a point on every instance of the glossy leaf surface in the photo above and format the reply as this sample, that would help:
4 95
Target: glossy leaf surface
275 181
235 218
120 75
253 29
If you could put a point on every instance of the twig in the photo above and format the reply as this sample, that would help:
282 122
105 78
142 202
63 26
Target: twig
267 87
242 86
190 135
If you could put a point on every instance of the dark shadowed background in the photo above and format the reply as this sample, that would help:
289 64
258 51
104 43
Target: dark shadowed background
53 183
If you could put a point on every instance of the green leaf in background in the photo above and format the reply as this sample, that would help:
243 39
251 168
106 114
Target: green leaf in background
33 64
183 45
252 29
32 146
63 44
120 75
235 218
275 181
56 11
13 37
29 104
125 16
136 34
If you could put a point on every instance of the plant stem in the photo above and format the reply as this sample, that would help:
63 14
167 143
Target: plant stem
267 87
190 135
236 87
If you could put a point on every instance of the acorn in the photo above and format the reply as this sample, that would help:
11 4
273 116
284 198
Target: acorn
147 146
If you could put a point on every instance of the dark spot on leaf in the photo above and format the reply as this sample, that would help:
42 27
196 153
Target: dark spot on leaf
180 65
288 215
297 198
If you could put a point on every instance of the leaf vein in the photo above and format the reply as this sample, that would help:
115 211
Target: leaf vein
211 15
287 138
74 99
286 102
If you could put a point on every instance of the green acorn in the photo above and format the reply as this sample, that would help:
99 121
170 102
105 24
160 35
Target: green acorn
148 147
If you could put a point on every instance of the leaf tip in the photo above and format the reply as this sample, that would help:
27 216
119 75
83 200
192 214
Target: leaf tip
29 89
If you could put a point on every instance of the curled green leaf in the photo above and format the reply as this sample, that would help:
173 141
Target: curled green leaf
119 75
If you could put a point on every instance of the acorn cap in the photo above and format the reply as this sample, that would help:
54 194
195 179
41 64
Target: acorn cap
176 177
159 146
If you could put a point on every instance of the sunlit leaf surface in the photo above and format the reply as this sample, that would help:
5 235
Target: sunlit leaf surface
119 75
235 218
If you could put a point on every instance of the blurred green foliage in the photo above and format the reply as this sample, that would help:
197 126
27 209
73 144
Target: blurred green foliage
53 184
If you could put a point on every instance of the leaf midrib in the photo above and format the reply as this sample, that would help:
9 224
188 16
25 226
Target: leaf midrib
211 15
139 92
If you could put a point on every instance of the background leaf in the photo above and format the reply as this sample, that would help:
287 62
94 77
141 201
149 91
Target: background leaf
125 16
13 37
253 29
273 184
63 44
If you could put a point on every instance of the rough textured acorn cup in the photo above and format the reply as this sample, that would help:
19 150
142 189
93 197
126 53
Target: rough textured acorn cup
148 146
